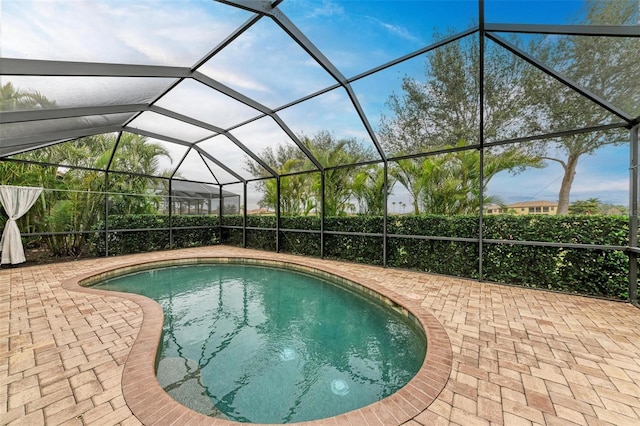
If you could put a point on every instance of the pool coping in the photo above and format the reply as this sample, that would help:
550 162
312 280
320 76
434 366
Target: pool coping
152 405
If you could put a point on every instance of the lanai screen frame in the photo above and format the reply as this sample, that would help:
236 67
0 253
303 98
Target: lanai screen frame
266 9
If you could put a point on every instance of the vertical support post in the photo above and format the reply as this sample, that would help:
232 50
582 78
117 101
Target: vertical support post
384 213
170 213
322 216
278 214
634 190
220 207
106 213
481 137
106 195
244 216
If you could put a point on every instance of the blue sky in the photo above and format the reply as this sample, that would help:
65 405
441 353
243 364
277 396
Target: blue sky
264 64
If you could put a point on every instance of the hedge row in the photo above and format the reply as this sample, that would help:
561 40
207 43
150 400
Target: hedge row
585 271
576 270
126 242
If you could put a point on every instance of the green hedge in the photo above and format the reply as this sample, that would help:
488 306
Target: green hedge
575 270
440 257
434 225
584 271
300 243
126 242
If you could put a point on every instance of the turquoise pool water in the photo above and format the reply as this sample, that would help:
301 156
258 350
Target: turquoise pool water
265 345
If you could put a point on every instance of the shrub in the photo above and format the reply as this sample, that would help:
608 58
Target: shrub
124 239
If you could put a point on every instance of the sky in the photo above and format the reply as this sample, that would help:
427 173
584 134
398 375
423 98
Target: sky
267 66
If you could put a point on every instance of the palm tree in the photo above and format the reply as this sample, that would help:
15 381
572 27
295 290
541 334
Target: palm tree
452 182
338 181
79 206
294 190
368 188
12 99
408 173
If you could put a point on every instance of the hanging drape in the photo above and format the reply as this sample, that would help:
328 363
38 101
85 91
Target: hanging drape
16 200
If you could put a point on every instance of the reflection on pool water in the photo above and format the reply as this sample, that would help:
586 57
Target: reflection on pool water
266 345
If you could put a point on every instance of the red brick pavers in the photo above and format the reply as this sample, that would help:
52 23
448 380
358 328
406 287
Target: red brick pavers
517 356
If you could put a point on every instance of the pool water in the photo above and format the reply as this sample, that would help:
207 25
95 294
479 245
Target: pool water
265 345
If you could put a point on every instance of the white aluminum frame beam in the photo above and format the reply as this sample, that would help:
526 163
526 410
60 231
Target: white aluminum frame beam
577 30
28 143
55 113
25 67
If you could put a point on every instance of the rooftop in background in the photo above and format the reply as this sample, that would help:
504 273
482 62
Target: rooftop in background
524 207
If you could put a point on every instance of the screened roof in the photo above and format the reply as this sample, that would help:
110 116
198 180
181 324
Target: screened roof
216 82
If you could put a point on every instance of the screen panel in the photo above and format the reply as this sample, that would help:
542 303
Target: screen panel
145 32
360 35
265 64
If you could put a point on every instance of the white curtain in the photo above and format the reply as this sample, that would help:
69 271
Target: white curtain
16 200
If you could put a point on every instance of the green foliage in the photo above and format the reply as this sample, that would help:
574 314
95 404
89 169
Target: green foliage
300 243
354 248
232 237
300 222
450 183
232 220
584 271
77 204
442 108
439 257
124 239
198 236
604 66
365 224
440 225
12 99
260 221
261 240
368 189
300 193
595 206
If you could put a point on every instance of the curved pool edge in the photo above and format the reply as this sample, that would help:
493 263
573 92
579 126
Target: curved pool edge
152 405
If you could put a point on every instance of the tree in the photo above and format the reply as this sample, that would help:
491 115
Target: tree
338 181
444 108
300 193
606 66
589 206
368 189
12 99
294 190
134 154
444 111
284 159
452 182
408 172
79 203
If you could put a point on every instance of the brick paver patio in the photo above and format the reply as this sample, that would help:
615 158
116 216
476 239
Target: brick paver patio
519 356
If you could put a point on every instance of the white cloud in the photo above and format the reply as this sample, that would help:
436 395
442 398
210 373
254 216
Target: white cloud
237 81
147 32
327 8
396 30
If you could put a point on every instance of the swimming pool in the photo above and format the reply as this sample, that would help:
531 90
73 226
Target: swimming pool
260 344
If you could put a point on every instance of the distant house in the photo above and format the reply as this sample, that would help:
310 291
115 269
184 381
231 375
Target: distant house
525 207
193 198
